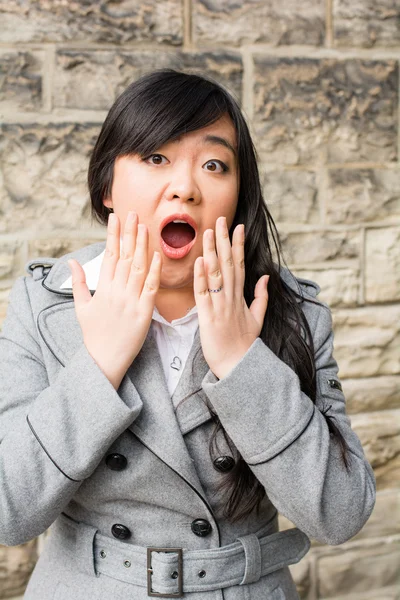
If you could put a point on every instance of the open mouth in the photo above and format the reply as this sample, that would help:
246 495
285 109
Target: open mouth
178 235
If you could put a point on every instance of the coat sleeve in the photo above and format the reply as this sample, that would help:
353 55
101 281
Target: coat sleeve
284 438
52 437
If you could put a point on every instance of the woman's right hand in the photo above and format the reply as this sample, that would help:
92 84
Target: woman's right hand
116 319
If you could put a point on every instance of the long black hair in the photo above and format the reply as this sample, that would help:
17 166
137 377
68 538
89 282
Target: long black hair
155 109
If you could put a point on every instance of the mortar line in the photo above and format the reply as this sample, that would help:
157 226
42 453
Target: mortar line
361 291
247 84
329 39
187 25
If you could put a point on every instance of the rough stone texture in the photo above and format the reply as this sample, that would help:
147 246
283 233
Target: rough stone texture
16 566
302 577
372 393
329 247
383 521
359 570
363 195
93 80
11 259
291 196
379 434
325 110
236 22
367 341
326 130
43 176
21 80
339 286
382 273
366 23
109 21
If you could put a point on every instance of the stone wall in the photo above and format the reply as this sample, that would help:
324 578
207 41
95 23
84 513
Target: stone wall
319 84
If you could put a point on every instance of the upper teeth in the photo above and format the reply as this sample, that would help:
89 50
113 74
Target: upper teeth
177 221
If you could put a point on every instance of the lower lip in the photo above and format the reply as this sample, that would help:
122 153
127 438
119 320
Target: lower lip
176 252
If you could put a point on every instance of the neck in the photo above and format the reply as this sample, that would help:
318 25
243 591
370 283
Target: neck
174 304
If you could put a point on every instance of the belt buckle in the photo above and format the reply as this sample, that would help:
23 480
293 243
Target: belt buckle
179 593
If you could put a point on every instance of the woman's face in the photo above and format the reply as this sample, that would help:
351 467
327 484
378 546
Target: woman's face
192 175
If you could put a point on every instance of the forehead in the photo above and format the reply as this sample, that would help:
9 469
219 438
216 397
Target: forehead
221 133
224 127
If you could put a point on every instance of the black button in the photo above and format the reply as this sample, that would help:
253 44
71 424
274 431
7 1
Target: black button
201 573
224 463
120 531
334 383
116 462
201 527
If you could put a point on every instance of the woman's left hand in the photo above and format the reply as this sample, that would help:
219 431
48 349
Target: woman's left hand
228 327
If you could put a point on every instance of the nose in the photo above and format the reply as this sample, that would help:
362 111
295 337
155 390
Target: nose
183 185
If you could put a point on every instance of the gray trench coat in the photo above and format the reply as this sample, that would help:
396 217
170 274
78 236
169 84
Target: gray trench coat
114 473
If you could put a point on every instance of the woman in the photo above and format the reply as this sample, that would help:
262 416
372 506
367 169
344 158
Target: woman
165 393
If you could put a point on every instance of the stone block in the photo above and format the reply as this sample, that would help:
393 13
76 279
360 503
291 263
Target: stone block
43 173
237 22
382 268
302 577
333 248
372 393
103 21
94 79
21 75
11 261
16 566
291 196
325 110
61 245
384 520
363 195
358 570
367 341
339 286
379 434
366 23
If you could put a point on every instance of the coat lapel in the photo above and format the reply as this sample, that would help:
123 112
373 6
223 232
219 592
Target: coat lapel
163 421
157 426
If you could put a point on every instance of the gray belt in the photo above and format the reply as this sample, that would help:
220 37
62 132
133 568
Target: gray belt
170 572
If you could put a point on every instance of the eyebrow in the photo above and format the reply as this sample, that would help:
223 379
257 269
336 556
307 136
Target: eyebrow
215 139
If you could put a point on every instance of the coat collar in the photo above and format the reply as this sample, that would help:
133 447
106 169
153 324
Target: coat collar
158 426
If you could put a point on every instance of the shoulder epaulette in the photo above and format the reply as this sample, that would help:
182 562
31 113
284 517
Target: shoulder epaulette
39 267
311 287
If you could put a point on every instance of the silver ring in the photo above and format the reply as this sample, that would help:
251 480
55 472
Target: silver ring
217 290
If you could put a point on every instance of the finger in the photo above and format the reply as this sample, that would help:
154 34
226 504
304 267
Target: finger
123 268
225 258
138 270
212 268
151 286
111 254
80 289
238 240
200 285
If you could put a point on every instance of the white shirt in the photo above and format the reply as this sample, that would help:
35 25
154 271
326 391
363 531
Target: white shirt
173 339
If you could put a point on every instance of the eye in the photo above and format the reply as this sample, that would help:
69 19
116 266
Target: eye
217 162
157 156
